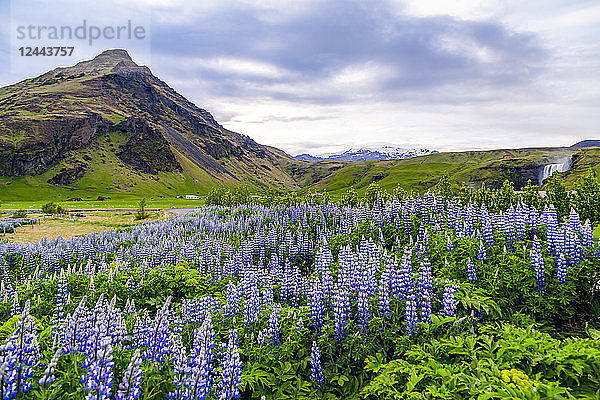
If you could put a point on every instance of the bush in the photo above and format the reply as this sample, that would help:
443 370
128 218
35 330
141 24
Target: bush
141 212
586 198
557 194
49 208
19 214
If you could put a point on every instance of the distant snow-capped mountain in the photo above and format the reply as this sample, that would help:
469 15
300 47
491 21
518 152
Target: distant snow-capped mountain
369 154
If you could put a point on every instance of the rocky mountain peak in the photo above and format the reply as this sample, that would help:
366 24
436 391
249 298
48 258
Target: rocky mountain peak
110 61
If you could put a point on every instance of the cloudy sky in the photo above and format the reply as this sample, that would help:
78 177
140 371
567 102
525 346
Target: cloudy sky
322 76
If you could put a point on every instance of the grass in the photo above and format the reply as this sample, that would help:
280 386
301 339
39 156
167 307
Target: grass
123 203
107 176
51 228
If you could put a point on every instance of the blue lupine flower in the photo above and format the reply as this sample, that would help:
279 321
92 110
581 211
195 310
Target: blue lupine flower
561 268
448 300
411 315
22 354
316 372
471 274
537 262
49 376
273 330
317 308
231 374
384 300
341 311
481 253
99 378
157 338
129 388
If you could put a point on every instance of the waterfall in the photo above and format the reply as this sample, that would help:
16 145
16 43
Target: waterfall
549 169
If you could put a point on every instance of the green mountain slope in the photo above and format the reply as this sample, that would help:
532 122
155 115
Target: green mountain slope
111 125
471 168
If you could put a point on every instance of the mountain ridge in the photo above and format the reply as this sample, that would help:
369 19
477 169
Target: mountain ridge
369 154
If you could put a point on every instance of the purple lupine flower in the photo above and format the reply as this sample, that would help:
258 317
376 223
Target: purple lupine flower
273 330
425 280
49 376
200 366
98 380
75 325
411 315
58 318
537 262
231 375
561 268
179 360
587 235
129 388
384 300
341 311
471 274
199 378
251 303
574 222
157 338
316 372
449 244
449 301
21 355
363 310
481 253
317 308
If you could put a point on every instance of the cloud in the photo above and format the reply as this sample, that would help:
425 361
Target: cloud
343 51
324 75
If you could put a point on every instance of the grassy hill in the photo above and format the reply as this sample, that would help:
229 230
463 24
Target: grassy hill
470 168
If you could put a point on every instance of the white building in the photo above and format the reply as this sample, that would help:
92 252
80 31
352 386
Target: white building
192 197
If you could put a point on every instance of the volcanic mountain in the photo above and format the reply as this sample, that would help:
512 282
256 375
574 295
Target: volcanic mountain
110 123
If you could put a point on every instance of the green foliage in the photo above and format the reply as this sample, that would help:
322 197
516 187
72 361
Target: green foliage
349 198
500 361
141 211
9 327
19 214
373 193
483 195
557 194
444 187
400 193
531 196
505 197
49 208
586 197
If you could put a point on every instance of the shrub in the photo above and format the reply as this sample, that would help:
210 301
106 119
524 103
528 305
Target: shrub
141 212
19 214
49 208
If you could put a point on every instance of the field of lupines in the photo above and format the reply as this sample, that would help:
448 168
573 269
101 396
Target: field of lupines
414 298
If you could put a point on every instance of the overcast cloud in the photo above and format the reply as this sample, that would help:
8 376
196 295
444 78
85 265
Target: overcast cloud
322 76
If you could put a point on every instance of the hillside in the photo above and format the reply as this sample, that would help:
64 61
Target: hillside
472 168
110 125
587 143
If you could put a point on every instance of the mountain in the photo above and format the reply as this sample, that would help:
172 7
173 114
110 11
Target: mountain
308 157
369 154
108 127
110 124
587 143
